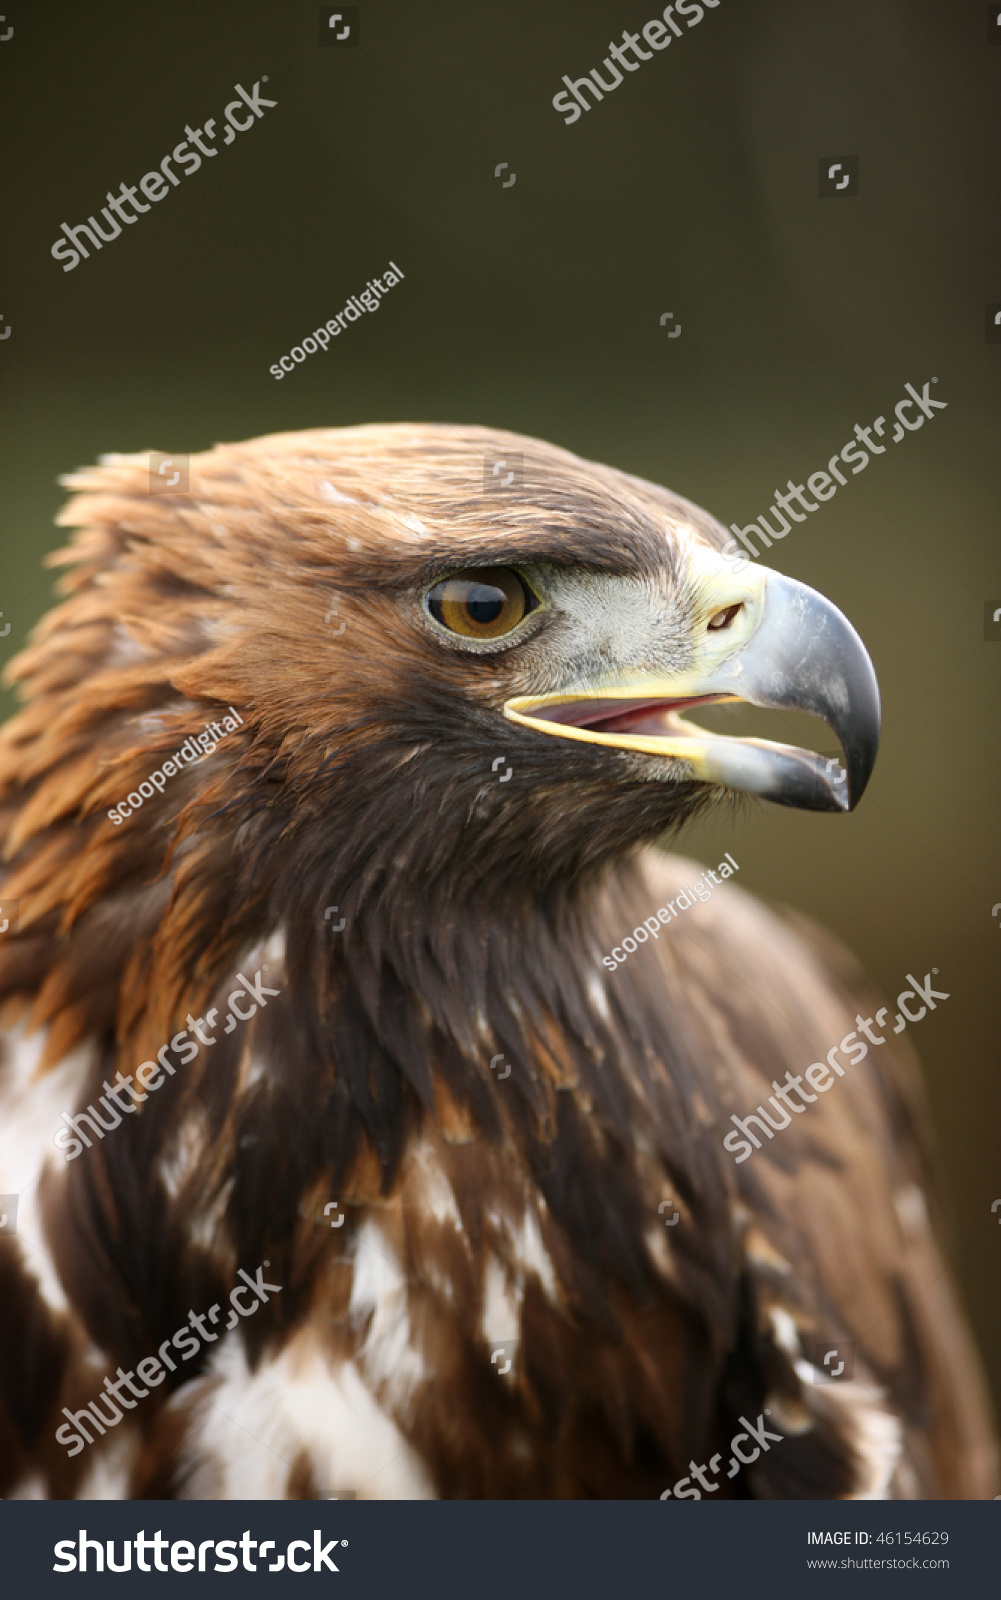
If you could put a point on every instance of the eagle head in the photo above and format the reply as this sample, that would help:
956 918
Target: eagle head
452 690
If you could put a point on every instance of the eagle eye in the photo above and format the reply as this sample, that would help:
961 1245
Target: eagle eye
485 603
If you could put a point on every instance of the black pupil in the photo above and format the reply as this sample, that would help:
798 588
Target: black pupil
485 602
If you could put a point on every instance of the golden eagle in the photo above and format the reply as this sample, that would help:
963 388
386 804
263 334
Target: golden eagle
335 789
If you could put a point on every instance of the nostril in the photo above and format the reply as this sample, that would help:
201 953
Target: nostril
722 619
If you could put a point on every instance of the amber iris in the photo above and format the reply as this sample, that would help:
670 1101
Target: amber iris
485 604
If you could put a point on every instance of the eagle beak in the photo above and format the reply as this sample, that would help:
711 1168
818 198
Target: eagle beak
785 647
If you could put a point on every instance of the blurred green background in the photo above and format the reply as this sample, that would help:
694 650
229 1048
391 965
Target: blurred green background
692 189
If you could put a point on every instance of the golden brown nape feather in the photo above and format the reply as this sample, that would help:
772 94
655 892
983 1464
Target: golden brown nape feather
283 590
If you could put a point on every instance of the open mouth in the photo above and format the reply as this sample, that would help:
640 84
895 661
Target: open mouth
655 718
654 725
802 656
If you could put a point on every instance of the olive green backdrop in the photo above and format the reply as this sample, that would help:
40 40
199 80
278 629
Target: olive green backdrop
693 189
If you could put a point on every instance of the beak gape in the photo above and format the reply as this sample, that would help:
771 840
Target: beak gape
802 655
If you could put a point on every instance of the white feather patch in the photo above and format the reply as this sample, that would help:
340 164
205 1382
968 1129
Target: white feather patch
250 1427
329 492
110 1466
597 996
434 1192
874 1432
500 1319
379 1300
31 1488
30 1108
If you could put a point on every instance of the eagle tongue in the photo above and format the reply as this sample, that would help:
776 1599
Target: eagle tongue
629 716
